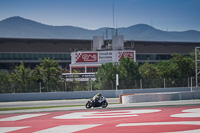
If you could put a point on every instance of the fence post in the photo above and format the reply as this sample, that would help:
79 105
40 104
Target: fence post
191 84
164 83
40 86
140 83
112 84
117 80
65 84
91 85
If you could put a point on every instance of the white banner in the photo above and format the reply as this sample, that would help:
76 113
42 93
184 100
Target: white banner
106 56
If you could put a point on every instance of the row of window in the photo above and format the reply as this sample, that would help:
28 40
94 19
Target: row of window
153 57
66 56
88 70
34 56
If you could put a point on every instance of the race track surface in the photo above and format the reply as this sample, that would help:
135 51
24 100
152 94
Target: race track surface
176 119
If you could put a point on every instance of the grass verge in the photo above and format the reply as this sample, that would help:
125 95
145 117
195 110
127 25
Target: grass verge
42 107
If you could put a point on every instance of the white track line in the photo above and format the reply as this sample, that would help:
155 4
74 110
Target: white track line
21 117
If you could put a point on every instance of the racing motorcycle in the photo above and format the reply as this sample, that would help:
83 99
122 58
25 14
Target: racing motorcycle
96 103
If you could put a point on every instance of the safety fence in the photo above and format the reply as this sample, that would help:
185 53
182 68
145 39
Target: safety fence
75 85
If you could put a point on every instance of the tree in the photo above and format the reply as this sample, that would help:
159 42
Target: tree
164 69
37 78
150 75
128 73
127 70
21 78
177 70
49 70
185 65
149 71
105 76
5 83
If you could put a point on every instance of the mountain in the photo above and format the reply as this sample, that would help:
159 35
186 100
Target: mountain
17 27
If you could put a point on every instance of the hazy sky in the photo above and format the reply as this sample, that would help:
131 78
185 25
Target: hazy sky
172 15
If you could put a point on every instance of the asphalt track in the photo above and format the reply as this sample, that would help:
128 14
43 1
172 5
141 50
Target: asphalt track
82 102
49 103
149 117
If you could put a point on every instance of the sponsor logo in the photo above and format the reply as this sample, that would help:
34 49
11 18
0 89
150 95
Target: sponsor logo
125 54
86 57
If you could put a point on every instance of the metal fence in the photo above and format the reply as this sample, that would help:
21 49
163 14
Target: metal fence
152 83
63 86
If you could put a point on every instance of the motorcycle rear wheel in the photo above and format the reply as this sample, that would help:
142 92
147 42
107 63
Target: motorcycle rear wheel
104 104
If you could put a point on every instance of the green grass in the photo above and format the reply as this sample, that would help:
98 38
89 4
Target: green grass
42 107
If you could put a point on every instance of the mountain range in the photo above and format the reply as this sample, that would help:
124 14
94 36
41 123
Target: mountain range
18 27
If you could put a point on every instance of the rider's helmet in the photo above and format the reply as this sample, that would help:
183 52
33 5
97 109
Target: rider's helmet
99 94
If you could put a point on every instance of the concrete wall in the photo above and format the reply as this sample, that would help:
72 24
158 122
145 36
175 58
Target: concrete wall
156 90
165 96
88 94
53 95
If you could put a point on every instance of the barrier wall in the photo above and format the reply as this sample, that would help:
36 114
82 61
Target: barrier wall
87 94
156 90
53 95
154 97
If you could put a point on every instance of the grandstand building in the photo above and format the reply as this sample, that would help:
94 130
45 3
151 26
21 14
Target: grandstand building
15 50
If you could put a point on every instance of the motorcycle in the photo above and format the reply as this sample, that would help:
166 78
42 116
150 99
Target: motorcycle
96 103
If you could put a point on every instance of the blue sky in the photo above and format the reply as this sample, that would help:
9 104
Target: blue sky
171 15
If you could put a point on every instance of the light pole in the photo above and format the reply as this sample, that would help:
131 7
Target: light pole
117 80
197 61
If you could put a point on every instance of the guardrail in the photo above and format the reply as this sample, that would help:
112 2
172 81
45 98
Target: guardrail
85 94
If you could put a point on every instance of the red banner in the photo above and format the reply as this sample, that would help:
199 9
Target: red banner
86 57
123 54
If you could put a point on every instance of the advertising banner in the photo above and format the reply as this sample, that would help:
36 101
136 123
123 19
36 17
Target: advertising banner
106 56
123 54
101 56
86 57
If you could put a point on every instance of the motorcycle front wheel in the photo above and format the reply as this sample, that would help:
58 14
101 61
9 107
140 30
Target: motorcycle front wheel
88 105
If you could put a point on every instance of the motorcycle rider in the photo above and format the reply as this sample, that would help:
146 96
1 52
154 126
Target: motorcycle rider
97 98
97 101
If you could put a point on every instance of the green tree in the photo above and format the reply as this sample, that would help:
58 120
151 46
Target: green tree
177 70
37 78
184 65
128 73
164 69
49 73
180 66
127 70
106 76
149 71
150 75
21 78
5 83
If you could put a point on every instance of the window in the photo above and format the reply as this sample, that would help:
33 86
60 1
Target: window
92 69
79 70
153 57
